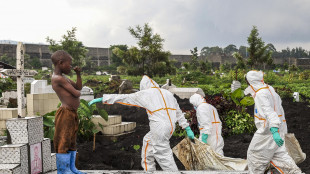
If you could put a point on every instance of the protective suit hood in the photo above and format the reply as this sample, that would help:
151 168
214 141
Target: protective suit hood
256 81
196 100
147 83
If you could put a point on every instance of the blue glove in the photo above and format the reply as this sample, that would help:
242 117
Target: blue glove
204 138
97 100
190 133
276 136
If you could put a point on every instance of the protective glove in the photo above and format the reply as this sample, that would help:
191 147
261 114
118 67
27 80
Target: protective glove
204 138
276 136
190 133
97 100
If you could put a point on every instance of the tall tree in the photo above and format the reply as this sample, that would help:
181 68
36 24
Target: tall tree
149 57
70 44
230 49
117 61
258 53
240 61
194 58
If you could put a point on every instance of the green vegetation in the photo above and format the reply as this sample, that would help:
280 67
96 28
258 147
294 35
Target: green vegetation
86 127
136 147
74 47
148 58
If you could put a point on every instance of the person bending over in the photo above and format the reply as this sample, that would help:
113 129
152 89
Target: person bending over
163 113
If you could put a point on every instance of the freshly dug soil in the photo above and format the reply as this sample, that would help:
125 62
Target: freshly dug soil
119 154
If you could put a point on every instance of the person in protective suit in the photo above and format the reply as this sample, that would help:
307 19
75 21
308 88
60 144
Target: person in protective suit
210 125
163 112
267 145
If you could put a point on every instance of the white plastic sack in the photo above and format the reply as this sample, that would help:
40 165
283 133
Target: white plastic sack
200 156
293 148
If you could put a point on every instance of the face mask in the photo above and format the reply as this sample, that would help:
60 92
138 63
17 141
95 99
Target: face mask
249 90
195 107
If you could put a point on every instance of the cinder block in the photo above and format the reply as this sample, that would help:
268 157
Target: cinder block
35 96
2 133
2 124
46 105
15 154
53 162
41 96
118 128
45 96
25 130
10 169
46 154
29 97
36 105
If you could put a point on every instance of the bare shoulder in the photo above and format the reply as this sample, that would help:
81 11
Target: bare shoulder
56 79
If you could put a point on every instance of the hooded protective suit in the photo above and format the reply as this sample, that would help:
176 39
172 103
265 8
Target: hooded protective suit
268 113
209 123
163 112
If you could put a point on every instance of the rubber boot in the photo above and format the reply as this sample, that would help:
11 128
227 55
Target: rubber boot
63 163
72 163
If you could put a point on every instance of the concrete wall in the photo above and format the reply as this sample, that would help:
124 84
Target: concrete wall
6 113
41 103
100 56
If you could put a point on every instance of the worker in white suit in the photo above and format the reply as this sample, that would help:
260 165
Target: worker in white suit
210 125
267 145
163 112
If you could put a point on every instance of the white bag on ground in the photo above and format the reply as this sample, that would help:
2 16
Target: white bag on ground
293 148
200 156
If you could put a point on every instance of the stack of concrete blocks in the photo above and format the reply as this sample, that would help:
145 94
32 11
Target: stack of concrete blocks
186 92
6 113
29 151
40 104
235 85
114 126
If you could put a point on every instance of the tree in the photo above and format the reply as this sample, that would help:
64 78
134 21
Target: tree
258 53
32 63
8 60
205 67
117 61
70 44
230 49
194 62
240 61
149 52
206 51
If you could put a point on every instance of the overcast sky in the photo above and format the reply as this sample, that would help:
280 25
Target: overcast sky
184 24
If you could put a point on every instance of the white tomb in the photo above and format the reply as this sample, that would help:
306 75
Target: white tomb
296 96
186 92
235 85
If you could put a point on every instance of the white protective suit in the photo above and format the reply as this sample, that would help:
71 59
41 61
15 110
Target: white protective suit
268 112
163 112
209 123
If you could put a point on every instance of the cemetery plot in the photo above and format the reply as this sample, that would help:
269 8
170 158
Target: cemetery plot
119 154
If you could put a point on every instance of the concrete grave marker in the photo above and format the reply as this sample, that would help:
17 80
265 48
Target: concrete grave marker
168 85
235 85
20 73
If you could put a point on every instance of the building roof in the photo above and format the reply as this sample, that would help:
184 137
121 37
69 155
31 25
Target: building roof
6 66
